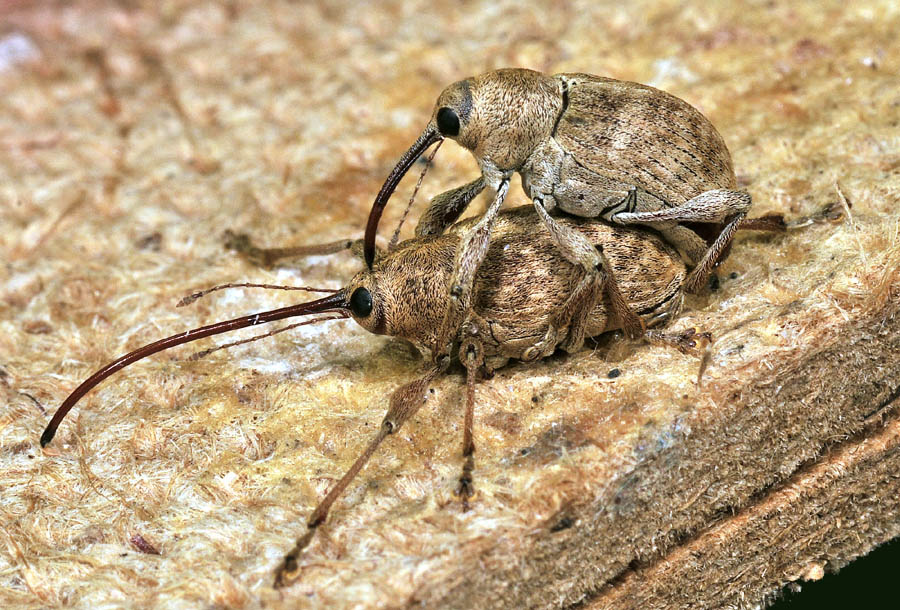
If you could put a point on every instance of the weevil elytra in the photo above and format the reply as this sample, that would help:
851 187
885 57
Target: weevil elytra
520 288
593 147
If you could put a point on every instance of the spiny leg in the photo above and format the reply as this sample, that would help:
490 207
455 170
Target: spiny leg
405 401
709 206
718 251
472 356
471 251
598 277
446 208
773 223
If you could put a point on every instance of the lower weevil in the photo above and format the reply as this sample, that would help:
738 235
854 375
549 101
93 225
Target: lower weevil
521 289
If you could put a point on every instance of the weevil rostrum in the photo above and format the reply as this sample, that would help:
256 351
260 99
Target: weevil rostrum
592 147
521 288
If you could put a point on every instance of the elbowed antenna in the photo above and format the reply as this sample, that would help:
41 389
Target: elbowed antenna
333 302
428 137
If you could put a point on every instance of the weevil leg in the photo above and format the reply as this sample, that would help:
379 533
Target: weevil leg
446 208
405 402
710 206
470 252
715 206
472 356
718 251
266 257
443 211
598 278
699 275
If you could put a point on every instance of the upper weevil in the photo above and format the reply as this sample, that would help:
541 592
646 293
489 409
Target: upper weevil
594 147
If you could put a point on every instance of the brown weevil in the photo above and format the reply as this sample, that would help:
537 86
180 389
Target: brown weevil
593 147
522 287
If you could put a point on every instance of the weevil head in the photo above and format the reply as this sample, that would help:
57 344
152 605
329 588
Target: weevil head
404 294
500 117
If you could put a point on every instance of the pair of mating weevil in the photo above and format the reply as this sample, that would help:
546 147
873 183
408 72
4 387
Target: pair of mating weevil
522 283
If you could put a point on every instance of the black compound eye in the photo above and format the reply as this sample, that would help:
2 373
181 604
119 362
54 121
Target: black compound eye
361 302
447 122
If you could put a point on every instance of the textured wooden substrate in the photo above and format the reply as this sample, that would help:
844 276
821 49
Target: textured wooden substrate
132 134
824 516
763 430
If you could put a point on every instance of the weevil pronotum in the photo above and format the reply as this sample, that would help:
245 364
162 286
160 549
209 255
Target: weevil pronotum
521 288
594 147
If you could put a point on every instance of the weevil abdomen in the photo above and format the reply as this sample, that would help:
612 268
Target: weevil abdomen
635 134
528 280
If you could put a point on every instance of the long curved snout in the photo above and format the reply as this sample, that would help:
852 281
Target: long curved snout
336 302
428 137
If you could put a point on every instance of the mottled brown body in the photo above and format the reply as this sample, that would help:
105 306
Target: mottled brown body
593 147
643 136
547 126
520 286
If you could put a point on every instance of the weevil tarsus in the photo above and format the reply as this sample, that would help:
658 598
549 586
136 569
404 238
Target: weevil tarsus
472 356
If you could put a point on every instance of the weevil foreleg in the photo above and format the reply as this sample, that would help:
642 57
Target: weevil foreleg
266 257
471 353
405 402
446 207
598 278
443 211
471 251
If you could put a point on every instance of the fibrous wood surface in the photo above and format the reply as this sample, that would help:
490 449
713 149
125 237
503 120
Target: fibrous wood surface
132 135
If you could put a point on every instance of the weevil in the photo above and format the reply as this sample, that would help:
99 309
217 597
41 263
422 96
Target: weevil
521 288
592 147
